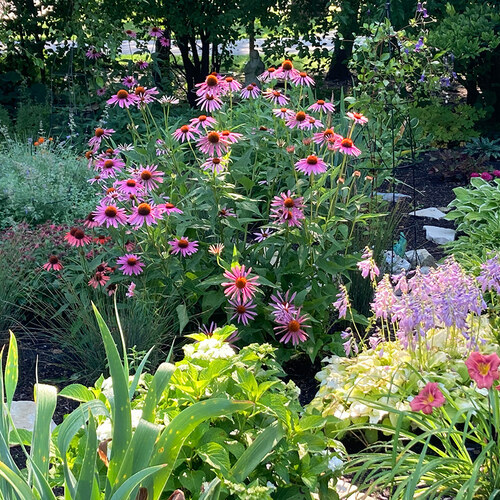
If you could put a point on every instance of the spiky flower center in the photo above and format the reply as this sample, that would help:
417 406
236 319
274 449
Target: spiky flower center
213 137
320 102
241 309
312 160
53 259
131 261
212 81
109 164
144 209
185 129
110 211
122 94
293 326
302 74
357 115
346 143
250 87
110 190
79 234
289 203
131 183
287 65
169 206
300 116
202 118
215 161
140 90
328 133
146 175
240 283
183 243
99 132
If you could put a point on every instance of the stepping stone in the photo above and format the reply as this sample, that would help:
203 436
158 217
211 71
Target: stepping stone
431 213
420 258
439 235
393 196
395 263
23 415
348 491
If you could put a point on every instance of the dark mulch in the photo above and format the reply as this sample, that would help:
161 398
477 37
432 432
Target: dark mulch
302 371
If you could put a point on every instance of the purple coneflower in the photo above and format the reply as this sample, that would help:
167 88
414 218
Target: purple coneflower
325 136
292 328
311 165
302 78
358 118
268 75
185 133
282 306
347 147
242 310
286 71
149 176
262 234
144 213
130 264
99 134
76 237
123 99
110 214
129 81
276 97
322 106
251 91
215 164
298 120
209 103
101 91
232 84
53 263
241 284
155 32
129 186
168 208
213 144
183 246
283 113
203 121
141 64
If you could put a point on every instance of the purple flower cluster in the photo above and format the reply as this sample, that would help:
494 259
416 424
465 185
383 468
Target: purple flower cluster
291 324
442 298
489 278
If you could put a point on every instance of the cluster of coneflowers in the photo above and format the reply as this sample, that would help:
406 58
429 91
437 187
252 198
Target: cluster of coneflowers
129 202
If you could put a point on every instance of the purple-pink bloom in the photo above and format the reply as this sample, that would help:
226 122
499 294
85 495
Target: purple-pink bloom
241 284
129 81
131 290
251 91
276 97
282 306
322 106
209 102
489 277
243 310
130 264
428 398
292 326
185 133
483 368
144 213
311 165
183 246
123 99
342 304
367 265
109 214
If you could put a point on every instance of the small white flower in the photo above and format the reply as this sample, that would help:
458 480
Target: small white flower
335 464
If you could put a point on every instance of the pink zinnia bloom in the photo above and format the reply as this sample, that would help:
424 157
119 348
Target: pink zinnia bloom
76 237
98 279
142 64
268 75
131 289
302 78
203 121
321 105
241 284
129 81
149 176
323 137
99 134
209 102
262 235
276 97
130 264
286 71
346 146
129 186
483 368
428 398
232 84
211 86
242 310
250 91
183 246
155 32
283 113
231 137
131 33
143 213
311 165
53 263
358 118
298 120
168 208
110 215
165 42
123 99
212 144
185 133
215 164
292 327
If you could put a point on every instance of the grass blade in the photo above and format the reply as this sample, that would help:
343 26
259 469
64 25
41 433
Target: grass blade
11 370
160 380
87 488
16 482
212 492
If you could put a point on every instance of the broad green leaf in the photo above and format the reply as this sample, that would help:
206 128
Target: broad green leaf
11 370
215 455
87 488
138 373
172 438
160 380
17 483
182 316
78 392
256 452
212 491
125 490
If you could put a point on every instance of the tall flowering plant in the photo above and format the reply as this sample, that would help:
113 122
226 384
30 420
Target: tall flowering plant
269 175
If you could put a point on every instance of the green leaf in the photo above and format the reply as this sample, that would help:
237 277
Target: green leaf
215 455
173 437
122 417
212 491
256 452
160 380
87 488
138 373
182 316
78 392
11 370
17 483
126 489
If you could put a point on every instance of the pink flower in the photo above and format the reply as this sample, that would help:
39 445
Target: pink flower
311 165
99 278
144 95
109 167
292 327
282 306
302 78
76 237
215 164
282 113
298 120
142 64
101 91
129 186
314 123
475 174
483 368
131 290
212 144
286 71
242 310
290 217
93 53
129 81
250 91
428 398
367 266
230 137
131 33
212 85
496 173
130 264
358 118
325 136
90 221
346 146
203 121
149 176
144 213
168 208
183 246
288 200
99 134
268 75
240 284
164 42
486 176
276 97
185 133
262 235
53 263
209 102
155 32
123 99
321 105
110 215
232 84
